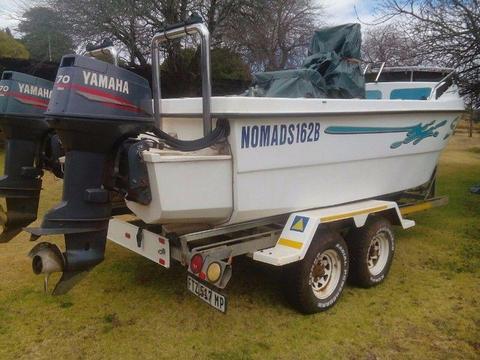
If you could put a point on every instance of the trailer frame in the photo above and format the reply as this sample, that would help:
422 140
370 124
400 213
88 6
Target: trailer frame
272 240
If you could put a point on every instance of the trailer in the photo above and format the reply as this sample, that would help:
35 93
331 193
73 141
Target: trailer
310 184
319 249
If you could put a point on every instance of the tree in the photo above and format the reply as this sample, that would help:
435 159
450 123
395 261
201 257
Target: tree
119 20
269 34
227 68
390 44
448 33
217 14
44 34
11 48
273 33
228 65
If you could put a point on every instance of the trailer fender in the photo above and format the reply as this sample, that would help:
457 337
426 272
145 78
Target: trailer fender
300 228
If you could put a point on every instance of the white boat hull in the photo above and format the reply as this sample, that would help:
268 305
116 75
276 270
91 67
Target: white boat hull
313 161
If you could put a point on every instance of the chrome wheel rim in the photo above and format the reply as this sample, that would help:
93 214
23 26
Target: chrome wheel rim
325 273
378 252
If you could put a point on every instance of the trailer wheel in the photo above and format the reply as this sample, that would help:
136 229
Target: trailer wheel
371 250
315 283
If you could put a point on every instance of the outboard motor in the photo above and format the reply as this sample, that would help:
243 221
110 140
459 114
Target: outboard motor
23 101
94 107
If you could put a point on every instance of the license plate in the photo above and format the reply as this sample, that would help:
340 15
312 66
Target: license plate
211 297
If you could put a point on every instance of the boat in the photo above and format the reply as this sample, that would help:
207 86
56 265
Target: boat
285 155
220 161
291 154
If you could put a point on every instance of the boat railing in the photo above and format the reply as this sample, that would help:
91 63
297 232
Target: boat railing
105 48
380 72
191 26
370 66
366 69
442 86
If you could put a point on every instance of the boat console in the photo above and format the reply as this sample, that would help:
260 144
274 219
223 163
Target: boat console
409 83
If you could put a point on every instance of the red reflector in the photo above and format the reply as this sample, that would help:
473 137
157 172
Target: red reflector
202 276
161 240
196 263
161 261
127 235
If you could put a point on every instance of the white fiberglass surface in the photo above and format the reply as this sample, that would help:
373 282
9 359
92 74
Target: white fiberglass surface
281 164
270 192
238 105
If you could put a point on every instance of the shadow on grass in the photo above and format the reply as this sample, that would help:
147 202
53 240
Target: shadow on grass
254 282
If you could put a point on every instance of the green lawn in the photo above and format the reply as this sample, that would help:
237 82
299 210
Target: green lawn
129 307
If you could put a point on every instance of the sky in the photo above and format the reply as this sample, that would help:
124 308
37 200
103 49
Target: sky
343 11
338 11
9 10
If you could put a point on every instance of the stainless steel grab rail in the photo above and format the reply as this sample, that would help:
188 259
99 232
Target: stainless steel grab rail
102 51
176 33
442 82
366 69
380 72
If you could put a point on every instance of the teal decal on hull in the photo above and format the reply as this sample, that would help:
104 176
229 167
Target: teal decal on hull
415 133
453 126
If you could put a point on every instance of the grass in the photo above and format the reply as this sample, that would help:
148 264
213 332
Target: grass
130 308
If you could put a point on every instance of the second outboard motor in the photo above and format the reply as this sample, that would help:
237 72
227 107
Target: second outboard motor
94 107
23 101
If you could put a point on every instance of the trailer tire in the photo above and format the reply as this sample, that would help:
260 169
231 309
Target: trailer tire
315 283
371 250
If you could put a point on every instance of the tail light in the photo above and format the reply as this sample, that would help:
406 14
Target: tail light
196 263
